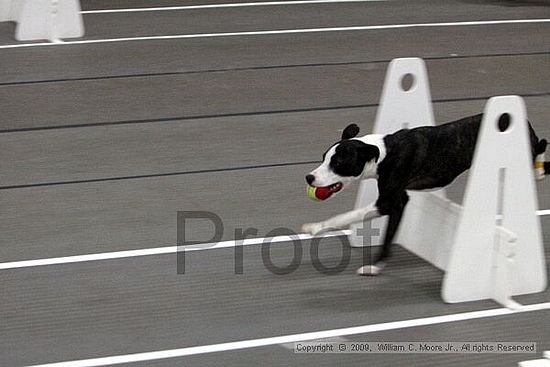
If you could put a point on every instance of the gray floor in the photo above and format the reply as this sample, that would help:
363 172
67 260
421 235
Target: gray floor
102 144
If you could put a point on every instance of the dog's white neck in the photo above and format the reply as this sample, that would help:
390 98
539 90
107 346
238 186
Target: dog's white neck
370 170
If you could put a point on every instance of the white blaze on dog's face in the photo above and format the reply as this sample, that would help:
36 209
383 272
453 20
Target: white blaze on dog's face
346 161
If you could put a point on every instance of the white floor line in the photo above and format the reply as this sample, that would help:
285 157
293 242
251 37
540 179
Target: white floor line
263 342
222 6
280 32
171 249
158 251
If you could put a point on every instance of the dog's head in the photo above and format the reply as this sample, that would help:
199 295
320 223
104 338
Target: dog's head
344 162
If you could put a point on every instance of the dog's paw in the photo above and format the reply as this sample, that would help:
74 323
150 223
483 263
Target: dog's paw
371 270
312 228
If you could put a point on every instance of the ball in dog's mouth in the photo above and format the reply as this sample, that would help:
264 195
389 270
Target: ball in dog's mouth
323 192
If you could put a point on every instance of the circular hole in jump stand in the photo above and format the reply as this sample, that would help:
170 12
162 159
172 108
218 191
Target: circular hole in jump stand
504 122
407 82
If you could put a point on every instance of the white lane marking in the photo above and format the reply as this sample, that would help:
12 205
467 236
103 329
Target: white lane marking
293 338
280 32
218 6
160 250
172 249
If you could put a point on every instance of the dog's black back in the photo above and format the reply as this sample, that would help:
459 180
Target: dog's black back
428 158
432 157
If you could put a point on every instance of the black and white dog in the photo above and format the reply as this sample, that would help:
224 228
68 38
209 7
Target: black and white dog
410 159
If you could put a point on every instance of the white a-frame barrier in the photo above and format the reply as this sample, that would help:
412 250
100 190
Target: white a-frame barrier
498 258
43 19
491 248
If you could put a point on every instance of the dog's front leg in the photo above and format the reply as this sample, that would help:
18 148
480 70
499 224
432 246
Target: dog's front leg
342 220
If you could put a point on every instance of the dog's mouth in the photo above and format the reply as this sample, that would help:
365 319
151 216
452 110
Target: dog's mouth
324 192
334 188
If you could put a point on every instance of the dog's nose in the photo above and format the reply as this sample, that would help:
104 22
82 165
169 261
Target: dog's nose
310 179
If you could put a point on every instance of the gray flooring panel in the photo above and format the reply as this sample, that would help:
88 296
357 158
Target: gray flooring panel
253 91
529 328
102 217
212 104
125 4
191 55
122 215
460 5
294 17
291 17
187 146
134 305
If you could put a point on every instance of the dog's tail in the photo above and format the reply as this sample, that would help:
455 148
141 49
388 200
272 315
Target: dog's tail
542 167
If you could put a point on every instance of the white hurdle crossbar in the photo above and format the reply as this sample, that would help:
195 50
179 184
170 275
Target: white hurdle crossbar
43 19
490 248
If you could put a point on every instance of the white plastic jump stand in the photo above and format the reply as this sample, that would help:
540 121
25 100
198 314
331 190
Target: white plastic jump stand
484 262
491 248
400 107
537 362
49 19
10 10
5 10
504 253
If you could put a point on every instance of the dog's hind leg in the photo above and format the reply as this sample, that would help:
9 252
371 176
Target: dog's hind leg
395 215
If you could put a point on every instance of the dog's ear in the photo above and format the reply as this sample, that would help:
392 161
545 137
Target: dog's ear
369 152
350 131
